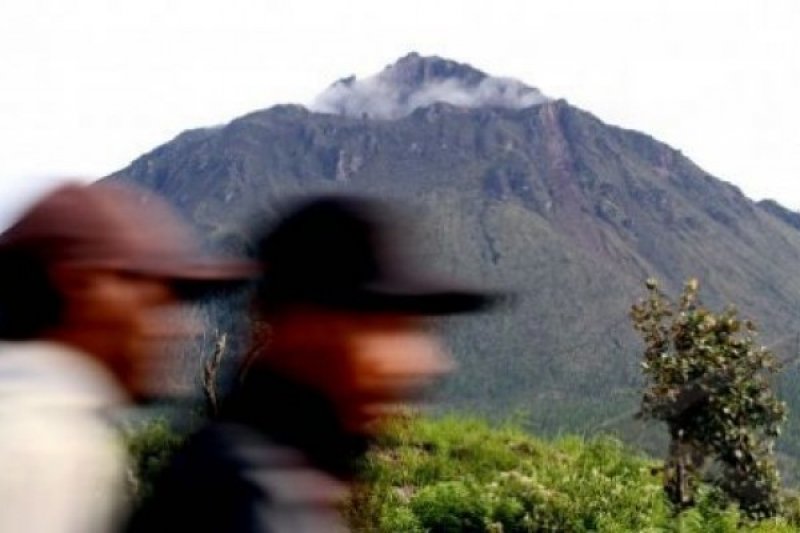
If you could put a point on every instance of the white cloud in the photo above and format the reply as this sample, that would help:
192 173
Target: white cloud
380 96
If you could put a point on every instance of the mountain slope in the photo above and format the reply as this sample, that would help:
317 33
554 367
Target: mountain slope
543 199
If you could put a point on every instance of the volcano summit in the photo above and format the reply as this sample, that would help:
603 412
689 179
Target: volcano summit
416 82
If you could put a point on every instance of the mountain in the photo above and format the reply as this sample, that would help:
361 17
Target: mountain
516 190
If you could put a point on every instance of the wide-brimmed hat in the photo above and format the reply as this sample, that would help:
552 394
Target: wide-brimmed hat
118 227
338 252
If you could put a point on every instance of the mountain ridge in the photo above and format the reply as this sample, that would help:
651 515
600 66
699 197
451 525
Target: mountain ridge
547 200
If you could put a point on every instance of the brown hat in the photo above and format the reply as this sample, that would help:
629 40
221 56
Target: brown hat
119 227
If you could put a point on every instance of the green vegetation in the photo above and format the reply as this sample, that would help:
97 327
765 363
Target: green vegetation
705 378
150 447
454 475
710 383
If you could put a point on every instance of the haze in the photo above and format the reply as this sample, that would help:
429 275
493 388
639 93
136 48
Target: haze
89 85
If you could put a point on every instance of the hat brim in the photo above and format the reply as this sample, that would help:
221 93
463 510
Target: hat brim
433 304
422 299
197 279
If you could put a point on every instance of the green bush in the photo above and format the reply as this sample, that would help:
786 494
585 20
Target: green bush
452 507
457 474
150 446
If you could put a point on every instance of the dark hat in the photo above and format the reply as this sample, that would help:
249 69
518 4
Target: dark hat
119 227
334 252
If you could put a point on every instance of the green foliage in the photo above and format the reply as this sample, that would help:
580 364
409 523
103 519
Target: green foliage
452 506
710 383
150 446
453 475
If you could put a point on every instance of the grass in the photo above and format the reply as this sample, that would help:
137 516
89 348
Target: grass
456 474
461 475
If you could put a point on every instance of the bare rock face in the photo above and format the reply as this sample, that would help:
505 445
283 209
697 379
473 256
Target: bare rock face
347 165
543 199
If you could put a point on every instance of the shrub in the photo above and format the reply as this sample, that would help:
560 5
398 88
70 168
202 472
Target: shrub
456 474
150 446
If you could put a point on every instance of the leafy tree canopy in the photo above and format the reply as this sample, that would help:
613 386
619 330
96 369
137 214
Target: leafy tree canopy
709 381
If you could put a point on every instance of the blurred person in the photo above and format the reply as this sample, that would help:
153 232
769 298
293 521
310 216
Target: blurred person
346 343
86 275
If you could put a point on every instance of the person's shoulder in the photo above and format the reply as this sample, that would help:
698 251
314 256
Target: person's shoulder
43 372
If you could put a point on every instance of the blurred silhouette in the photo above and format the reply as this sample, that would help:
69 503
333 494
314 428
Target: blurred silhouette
86 275
341 344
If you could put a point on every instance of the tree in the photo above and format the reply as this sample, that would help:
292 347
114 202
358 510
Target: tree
709 381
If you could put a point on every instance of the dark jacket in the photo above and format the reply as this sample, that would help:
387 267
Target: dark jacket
275 461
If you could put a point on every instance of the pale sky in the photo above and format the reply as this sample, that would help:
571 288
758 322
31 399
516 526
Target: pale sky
86 86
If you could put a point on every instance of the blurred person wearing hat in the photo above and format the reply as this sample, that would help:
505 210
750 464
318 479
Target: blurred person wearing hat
347 343
86 276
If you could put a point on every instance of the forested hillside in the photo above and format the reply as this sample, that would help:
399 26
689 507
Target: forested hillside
544 200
